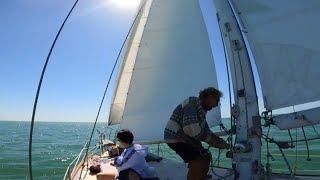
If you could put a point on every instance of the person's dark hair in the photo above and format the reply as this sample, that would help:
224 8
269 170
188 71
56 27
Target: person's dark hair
125 136
95 169
210 92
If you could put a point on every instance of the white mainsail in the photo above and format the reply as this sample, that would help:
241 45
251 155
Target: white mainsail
171 60
284 43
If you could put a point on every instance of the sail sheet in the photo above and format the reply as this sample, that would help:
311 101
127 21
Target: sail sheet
284 39
173 61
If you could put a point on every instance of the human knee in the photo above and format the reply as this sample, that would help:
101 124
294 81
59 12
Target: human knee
199 163
205 157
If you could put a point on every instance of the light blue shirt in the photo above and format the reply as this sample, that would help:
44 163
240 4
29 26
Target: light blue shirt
134 158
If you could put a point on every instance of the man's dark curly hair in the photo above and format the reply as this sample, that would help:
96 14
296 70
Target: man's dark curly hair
210 92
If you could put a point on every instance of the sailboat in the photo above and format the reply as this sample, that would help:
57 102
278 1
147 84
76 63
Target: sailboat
168 57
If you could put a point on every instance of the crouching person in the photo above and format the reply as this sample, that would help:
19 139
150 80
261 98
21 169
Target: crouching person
131 164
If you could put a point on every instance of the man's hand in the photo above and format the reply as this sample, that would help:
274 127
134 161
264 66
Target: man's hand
218 142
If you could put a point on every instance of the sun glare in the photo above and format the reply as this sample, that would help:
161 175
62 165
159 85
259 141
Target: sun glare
125 3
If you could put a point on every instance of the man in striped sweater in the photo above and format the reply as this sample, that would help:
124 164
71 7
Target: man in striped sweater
188 127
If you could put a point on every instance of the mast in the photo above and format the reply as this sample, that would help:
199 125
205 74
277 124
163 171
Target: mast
247 150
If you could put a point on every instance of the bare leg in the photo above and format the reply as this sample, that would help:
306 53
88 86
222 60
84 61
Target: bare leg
198 168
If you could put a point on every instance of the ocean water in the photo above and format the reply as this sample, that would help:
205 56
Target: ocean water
56 144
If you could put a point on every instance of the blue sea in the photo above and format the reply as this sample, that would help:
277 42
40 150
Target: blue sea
56 144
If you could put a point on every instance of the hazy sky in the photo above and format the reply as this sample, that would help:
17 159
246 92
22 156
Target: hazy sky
81 61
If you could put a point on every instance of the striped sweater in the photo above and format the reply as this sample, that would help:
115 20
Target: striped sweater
188 123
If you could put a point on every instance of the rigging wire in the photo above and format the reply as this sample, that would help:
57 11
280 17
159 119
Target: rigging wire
212 163
315 131
296 159
268 169
39 88
307 145
281 145
289 132
107 86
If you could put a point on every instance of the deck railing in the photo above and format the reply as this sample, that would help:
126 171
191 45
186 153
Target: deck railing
79 158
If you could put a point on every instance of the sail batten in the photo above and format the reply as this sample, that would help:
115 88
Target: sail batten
172 62
284 43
